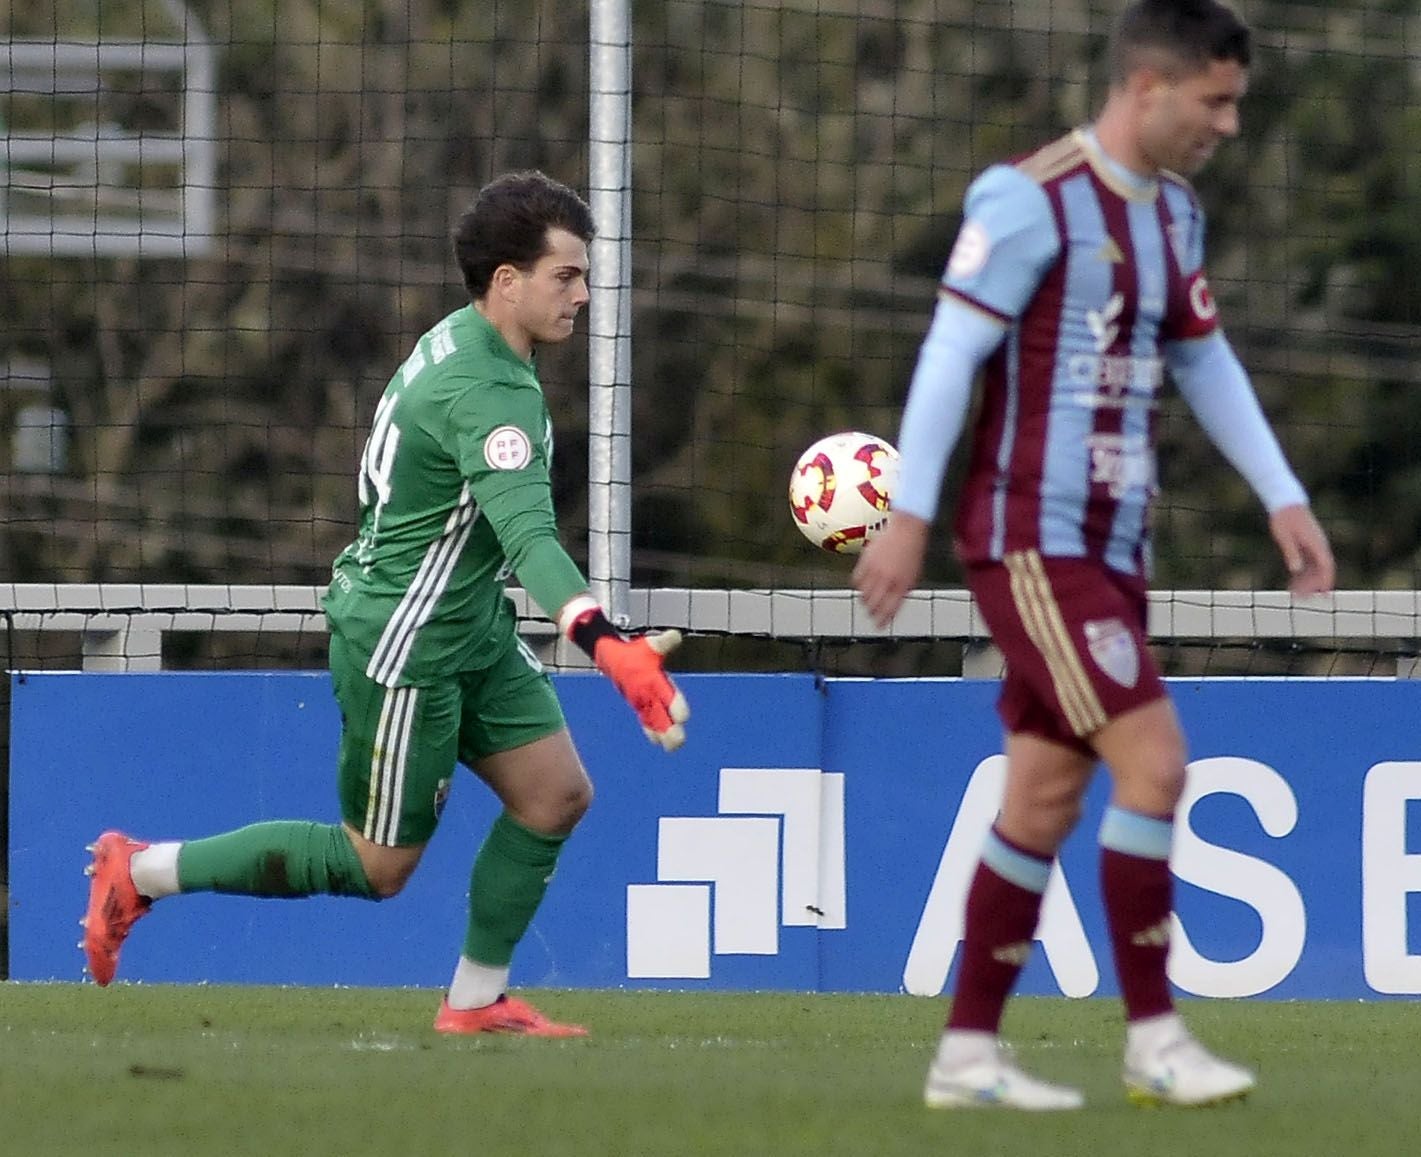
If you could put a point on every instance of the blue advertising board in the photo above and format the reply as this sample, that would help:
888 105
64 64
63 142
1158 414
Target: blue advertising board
811 836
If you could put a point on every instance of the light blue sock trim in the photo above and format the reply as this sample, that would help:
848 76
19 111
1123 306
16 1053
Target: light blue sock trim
1136 834
1020 868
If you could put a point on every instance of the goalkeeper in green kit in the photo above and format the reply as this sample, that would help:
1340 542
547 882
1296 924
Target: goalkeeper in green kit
425 658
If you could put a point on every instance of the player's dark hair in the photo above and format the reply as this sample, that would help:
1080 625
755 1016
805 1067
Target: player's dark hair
508 224
1189 33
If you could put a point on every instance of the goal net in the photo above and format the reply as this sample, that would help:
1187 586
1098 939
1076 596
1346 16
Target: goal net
224 223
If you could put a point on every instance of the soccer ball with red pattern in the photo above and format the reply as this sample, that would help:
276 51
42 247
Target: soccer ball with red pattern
840 488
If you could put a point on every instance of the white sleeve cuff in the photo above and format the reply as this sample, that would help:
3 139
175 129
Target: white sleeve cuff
574 609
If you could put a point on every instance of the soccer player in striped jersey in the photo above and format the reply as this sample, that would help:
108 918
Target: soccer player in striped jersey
1075 283
426 662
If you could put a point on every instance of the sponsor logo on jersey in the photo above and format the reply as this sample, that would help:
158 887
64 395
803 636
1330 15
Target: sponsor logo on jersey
1116 374
1112 646
1104 324
507 448
970 251
1121 462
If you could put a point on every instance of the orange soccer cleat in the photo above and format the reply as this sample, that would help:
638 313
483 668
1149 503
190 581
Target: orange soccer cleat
507 1014
114 903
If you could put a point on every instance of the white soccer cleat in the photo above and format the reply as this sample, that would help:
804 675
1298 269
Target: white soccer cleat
989 1079
1178 1070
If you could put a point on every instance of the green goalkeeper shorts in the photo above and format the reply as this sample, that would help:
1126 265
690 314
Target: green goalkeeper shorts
399 745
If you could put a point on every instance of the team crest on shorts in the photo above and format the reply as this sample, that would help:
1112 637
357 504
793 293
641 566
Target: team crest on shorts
441 797
1112 646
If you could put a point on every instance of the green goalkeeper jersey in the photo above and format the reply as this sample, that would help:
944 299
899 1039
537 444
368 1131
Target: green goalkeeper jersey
455 497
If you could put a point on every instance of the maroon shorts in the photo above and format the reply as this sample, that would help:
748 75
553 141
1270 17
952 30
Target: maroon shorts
1073 634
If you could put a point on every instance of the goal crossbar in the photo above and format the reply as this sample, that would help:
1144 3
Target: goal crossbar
126 621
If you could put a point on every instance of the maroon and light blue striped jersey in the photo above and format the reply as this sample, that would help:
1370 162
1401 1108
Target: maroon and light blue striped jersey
1093 270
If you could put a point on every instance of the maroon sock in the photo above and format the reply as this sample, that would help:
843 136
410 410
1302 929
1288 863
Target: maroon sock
1139 895
999 925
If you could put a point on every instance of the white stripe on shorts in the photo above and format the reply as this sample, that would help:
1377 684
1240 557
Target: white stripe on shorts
387 765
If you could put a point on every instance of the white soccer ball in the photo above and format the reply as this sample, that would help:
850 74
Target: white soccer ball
840 489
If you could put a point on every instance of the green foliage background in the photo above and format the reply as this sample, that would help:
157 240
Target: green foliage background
798 170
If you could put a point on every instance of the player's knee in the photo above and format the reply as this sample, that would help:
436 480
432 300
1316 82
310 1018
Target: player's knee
1166 784
387 870
1159 782
557 812
387 882
1048 827
1152 789
571 807
1039 821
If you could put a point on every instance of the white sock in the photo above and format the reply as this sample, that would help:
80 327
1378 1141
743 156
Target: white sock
475 985
155 870
1147 1035
964 1046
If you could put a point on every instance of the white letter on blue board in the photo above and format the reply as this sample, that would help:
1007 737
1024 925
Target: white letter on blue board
1262 886
1389 875
940 928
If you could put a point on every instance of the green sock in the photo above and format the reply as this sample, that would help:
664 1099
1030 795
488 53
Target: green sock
282 858
510 875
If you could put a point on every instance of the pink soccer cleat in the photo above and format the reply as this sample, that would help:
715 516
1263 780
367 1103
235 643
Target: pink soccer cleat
114 903
507 1014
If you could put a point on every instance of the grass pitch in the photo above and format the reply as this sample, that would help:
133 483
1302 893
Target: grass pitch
151 1070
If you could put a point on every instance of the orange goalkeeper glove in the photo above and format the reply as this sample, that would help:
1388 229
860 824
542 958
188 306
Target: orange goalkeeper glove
635 668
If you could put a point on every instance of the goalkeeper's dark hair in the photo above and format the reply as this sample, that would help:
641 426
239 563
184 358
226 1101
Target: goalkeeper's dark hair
508 224
1179 36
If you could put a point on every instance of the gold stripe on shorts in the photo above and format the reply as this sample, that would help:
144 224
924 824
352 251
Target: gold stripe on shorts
1041 616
